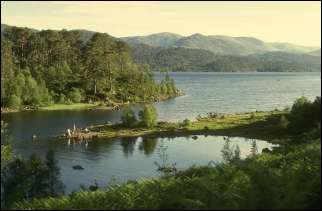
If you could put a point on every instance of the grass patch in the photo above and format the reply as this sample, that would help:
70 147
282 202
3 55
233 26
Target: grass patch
74 106
261 125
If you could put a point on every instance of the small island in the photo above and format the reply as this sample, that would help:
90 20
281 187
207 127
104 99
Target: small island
268 125
264 124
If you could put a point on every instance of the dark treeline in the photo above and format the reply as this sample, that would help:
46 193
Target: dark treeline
25 179
45 67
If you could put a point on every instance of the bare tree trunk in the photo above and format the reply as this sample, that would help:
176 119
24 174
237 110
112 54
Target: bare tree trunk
110 76
95 87
121 61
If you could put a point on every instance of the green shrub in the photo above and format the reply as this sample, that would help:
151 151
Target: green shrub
75 95
62 99
68 102
148 116
46 98
25 179
129 118
36 99
14 101
283 122
304 114
185 123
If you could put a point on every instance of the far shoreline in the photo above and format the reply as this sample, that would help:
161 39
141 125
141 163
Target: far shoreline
84 106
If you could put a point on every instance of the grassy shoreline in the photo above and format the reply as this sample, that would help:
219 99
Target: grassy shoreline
82 106
76 106
54 107
259 125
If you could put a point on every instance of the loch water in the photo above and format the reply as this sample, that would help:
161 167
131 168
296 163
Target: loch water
135 158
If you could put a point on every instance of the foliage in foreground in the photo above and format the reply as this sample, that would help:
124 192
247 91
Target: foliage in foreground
25 179
305 114
288 179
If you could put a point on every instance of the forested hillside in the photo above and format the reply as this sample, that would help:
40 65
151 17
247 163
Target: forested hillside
218 44
44 67
172 52
164 39
266 62
186 59
222 54
171 59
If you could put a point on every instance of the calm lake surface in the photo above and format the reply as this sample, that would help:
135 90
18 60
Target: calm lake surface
128 159
131 159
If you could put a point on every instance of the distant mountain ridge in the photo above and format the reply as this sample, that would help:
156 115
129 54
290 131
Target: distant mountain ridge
189 59
221 53
172 52
164 39
5 26
218 44
315 52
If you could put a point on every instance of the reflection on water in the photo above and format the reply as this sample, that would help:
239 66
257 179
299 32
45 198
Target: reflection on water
148 145
254 148
231 151
128 145
133 158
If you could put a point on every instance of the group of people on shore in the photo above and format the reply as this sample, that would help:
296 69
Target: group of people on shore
76 133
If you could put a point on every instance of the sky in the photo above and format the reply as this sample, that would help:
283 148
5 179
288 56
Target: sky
293 22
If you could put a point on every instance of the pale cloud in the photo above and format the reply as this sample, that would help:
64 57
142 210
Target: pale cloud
296 22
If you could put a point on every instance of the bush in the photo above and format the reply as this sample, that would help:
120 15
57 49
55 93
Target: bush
61 99
129 118
284 122
14 101
36 99
46 98
148 116
25 179
304 114
316 110
75 95
185 123
68 102
45 95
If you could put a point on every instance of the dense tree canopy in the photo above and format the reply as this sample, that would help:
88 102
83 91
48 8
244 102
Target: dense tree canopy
43 67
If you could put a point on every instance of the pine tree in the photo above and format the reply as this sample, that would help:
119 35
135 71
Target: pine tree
148 116
56 187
